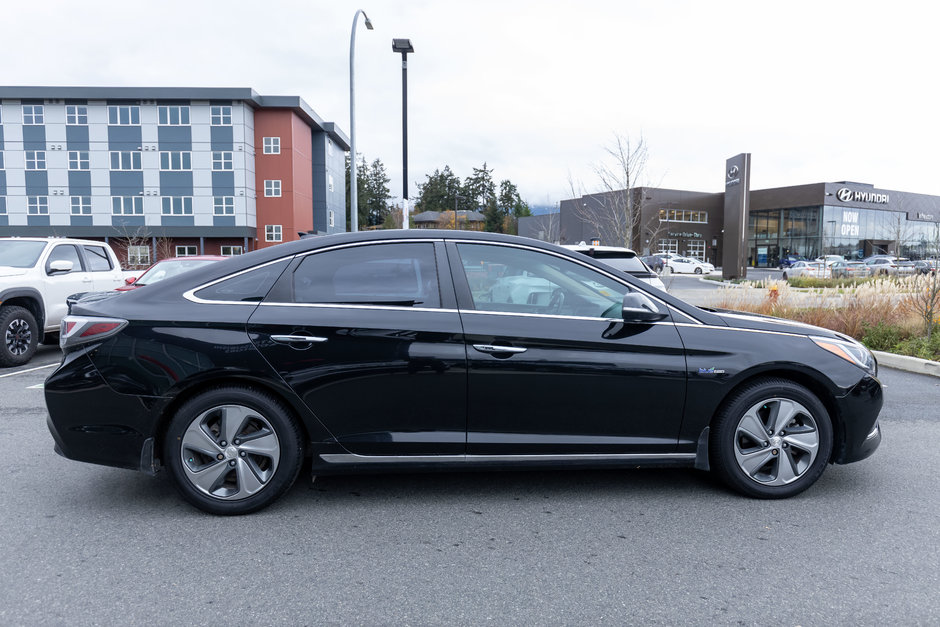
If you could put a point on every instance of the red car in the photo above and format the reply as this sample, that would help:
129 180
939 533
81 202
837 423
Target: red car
165 268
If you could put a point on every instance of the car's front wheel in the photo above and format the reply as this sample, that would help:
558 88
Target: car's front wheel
698 271
772 439
233 450
20 336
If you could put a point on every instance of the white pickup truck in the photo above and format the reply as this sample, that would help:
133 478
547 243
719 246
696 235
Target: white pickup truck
36 276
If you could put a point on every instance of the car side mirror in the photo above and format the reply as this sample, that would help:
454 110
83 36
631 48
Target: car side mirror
60 266
639 308
130 280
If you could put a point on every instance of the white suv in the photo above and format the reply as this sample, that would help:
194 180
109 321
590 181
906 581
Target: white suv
36 276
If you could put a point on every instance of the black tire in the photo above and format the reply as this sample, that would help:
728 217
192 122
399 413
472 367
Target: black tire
242 476
698 271
793 450
785 276
19 335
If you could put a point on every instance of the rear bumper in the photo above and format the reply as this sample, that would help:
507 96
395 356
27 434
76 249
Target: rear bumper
90 422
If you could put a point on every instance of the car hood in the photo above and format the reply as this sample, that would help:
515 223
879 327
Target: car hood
10 271
760 322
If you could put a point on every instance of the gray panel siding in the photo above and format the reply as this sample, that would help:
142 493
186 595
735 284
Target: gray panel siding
76 137
4 220
223 183
221 138
37 220
79 183
177 221
127 221
127 183
223 220
3 183
175 138
81 221
176 183
34 137
124 138
37 183
1 137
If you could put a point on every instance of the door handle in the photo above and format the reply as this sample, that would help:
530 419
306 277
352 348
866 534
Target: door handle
492 348
297 339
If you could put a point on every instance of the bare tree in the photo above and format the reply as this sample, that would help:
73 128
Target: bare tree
615 213
925 298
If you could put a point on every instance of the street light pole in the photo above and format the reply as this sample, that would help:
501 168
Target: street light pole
404 47
353 181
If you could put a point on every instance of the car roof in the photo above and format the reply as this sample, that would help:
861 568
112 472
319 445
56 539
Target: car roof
583 248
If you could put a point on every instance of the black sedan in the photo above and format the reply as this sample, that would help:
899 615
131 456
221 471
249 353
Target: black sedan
405 350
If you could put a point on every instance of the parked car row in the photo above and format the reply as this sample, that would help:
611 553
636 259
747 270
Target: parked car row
834 266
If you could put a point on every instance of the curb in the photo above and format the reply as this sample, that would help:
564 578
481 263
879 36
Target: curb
909 364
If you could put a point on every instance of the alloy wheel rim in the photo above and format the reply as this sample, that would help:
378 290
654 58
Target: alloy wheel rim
18 337
776 441
230 452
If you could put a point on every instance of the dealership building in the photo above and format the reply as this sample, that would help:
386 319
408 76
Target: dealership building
740 227
168 171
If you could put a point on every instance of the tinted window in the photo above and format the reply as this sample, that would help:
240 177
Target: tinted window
65 252
97 258
623 263
380 274
250 286
504 278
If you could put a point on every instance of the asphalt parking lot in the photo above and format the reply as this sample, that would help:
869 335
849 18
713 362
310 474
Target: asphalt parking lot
91 545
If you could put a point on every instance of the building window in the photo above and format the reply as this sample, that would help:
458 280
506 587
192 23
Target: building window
78 160
32 114
76 115
123 115
272 145
37 205
231 251
330 218
221 160
272 232
138 255
173 116
176 160
696 248
186 251
223 205
681 215
330 184
177 205
81 205
669 246
221 116
272 189
127 205
35 159
125 160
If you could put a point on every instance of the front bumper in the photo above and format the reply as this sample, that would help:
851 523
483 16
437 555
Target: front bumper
860 433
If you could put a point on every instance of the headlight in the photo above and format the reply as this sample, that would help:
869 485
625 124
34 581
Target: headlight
849 350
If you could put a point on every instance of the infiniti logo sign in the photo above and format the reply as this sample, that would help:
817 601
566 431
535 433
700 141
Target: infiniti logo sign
847 195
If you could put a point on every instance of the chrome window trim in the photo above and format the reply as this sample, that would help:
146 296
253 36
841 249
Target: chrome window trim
353 458
190 295
355 306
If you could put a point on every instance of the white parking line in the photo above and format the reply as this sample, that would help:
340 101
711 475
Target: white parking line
10 374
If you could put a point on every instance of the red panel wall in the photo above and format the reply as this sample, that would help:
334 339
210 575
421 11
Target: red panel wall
293 167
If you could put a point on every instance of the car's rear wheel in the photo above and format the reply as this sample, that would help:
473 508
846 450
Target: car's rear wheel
772 439
20 336
233 450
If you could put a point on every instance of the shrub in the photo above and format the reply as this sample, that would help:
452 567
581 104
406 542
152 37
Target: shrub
882 336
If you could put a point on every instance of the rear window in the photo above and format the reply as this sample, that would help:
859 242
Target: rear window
97 258
625 262
250 286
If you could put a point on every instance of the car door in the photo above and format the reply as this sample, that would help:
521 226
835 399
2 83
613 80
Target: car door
104 275
369 337
553 368
59 285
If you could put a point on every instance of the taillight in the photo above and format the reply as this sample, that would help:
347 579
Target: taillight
76 330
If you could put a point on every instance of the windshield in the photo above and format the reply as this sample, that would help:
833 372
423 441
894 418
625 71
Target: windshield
20 254
173 267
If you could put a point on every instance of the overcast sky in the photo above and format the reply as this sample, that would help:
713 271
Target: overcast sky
815 91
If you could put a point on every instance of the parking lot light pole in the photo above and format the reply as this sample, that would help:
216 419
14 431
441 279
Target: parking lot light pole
353 181
404 47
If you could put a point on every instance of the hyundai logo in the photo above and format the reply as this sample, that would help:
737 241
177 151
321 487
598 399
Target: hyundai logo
732 171
845 194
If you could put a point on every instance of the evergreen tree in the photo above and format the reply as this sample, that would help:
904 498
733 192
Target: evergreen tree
439 192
